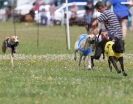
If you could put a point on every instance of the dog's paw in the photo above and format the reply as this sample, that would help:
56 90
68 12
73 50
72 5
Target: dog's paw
75 58
14 51
124 74
89 67
118 71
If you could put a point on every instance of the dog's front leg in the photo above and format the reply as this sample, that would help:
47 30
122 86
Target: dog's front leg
12 51
122 66
103 55
110 66
112 60
89 66
75 55
84 58
80 58
92 61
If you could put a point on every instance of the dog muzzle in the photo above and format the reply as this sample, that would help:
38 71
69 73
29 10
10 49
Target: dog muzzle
16 44
13 45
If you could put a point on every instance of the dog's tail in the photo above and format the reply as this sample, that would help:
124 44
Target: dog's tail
4 47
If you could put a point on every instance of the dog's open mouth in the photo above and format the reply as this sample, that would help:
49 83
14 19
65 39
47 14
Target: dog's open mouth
16 44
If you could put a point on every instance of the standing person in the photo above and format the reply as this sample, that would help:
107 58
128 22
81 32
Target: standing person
73 17
43 17
52 9
131 12
122 12
88 17
112 25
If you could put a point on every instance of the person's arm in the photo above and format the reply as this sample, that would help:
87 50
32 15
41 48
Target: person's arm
131 3
102 18
128 3
95 22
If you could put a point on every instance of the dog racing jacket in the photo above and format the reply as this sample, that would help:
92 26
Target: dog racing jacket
83 38
109 50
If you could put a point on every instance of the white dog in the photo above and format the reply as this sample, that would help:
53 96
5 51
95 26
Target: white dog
84 45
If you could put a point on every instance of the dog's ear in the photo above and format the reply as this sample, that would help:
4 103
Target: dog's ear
4 47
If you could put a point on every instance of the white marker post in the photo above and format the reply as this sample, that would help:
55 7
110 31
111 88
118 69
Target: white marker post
67 27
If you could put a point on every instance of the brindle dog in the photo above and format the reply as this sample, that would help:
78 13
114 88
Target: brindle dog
11 43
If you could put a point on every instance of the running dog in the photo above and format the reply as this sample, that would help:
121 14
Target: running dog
113 49
11 43
114 57
84 45
100 41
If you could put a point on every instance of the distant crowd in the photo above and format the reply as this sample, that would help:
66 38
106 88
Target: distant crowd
44 14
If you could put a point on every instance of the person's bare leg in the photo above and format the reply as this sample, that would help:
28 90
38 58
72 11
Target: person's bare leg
124 23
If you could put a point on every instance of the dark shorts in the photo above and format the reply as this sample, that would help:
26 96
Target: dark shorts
126 17
118 46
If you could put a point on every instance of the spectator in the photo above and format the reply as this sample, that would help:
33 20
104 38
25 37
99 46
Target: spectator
131 11
32 13
52 11
89 8
8 12
43 17
112 25
74 10
122 12
36 6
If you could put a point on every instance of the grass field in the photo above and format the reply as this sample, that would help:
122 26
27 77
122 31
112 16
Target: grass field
49 75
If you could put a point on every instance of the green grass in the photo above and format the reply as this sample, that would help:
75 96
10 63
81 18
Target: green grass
51 39
56 78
